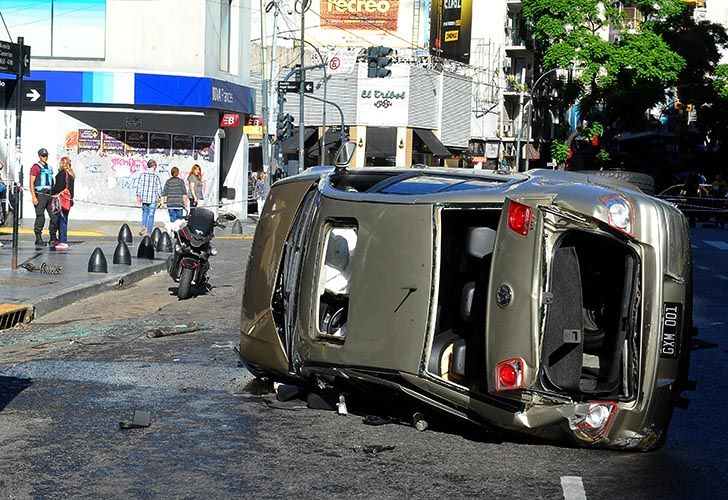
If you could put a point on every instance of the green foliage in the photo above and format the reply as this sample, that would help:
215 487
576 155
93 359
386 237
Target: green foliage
594 128
603 157
639 65
559 152
720 81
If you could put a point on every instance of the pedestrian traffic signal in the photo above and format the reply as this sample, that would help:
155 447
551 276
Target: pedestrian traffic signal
378 59
284 127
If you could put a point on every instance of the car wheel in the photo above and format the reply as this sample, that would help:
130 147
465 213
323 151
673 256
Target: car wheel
644 182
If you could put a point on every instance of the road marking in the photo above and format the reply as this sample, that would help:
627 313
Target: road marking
71 232
720 245
721 277
573 488
693 246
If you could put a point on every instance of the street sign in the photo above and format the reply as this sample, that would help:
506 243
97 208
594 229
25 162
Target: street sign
294 87
9 61
33 96
230 120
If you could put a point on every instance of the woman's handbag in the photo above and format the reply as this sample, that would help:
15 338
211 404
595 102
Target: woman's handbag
65 197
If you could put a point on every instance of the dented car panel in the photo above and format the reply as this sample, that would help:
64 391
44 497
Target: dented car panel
549 304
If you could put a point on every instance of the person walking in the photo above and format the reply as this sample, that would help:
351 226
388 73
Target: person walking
64 189
261 190
194 181
148 191
41 184
174 195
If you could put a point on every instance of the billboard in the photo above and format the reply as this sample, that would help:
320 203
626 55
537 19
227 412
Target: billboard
364 15
450 22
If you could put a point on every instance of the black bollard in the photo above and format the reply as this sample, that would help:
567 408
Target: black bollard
165 243
156 234
97 262
146 249
122 255
237 228
125 233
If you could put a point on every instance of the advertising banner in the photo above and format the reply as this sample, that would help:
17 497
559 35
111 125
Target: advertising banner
113 141
137 143
383 102
370 15
89 139
450 26
181 145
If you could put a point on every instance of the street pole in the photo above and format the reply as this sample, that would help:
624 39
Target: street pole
273 72
18 159
530 111
520 119
302 80
263 89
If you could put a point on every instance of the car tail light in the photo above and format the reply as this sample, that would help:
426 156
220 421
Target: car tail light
596 421
509 375
620 214
519 217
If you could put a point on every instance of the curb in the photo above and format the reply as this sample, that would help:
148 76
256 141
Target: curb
47 305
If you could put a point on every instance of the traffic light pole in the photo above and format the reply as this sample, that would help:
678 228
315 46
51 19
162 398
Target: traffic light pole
18 159
301 93
341 113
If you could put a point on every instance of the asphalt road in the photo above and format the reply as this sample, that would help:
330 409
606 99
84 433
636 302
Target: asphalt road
67 380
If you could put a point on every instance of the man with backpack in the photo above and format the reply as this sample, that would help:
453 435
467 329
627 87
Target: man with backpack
41 184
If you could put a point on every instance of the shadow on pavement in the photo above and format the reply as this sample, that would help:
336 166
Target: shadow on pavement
10 387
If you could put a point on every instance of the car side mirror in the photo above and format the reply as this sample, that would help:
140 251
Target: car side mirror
344 155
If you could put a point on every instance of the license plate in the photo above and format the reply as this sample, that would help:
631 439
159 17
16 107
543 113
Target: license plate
671 325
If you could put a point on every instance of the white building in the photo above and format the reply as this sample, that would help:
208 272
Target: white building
128 81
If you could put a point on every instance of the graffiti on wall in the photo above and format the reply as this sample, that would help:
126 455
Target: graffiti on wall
109 162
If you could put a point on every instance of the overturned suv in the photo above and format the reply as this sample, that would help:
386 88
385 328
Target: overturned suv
551 304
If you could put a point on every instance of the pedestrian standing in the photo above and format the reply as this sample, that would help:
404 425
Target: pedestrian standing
148 191
174 195
261 190
194 181
64 189
41 185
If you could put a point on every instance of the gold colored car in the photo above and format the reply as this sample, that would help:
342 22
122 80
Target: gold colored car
552 304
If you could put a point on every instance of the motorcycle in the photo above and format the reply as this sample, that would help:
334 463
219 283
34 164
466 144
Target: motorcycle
189 263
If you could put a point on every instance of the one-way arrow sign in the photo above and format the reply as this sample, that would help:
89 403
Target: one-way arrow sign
295 87
33 95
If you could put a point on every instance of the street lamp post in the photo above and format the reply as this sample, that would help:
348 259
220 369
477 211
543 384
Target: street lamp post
530 113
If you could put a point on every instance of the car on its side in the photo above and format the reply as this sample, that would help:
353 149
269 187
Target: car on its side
551 304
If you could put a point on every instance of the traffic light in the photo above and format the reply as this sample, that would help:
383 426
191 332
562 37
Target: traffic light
378 59
284 127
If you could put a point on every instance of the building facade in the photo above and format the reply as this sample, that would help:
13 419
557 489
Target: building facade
129 81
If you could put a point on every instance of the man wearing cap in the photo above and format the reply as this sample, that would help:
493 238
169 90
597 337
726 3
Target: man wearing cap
149 190
41 183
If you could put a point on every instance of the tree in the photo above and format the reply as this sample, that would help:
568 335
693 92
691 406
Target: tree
615 82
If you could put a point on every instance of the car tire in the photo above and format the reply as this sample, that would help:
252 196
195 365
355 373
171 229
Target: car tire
644 182
185 283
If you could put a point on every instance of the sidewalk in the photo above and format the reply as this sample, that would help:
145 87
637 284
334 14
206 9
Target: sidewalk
40 294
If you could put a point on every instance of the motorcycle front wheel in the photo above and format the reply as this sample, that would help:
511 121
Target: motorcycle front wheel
185 283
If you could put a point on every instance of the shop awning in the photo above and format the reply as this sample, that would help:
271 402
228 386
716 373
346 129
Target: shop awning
431 143
290 145
381 142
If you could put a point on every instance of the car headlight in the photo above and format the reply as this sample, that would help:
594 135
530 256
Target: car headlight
620 214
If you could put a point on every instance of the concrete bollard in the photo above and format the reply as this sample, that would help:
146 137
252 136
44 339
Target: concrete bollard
146 249
237 228
122 255
125 233
156 234
97 262
165 243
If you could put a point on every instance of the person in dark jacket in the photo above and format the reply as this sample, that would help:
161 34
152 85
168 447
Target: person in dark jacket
174 195
64 179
